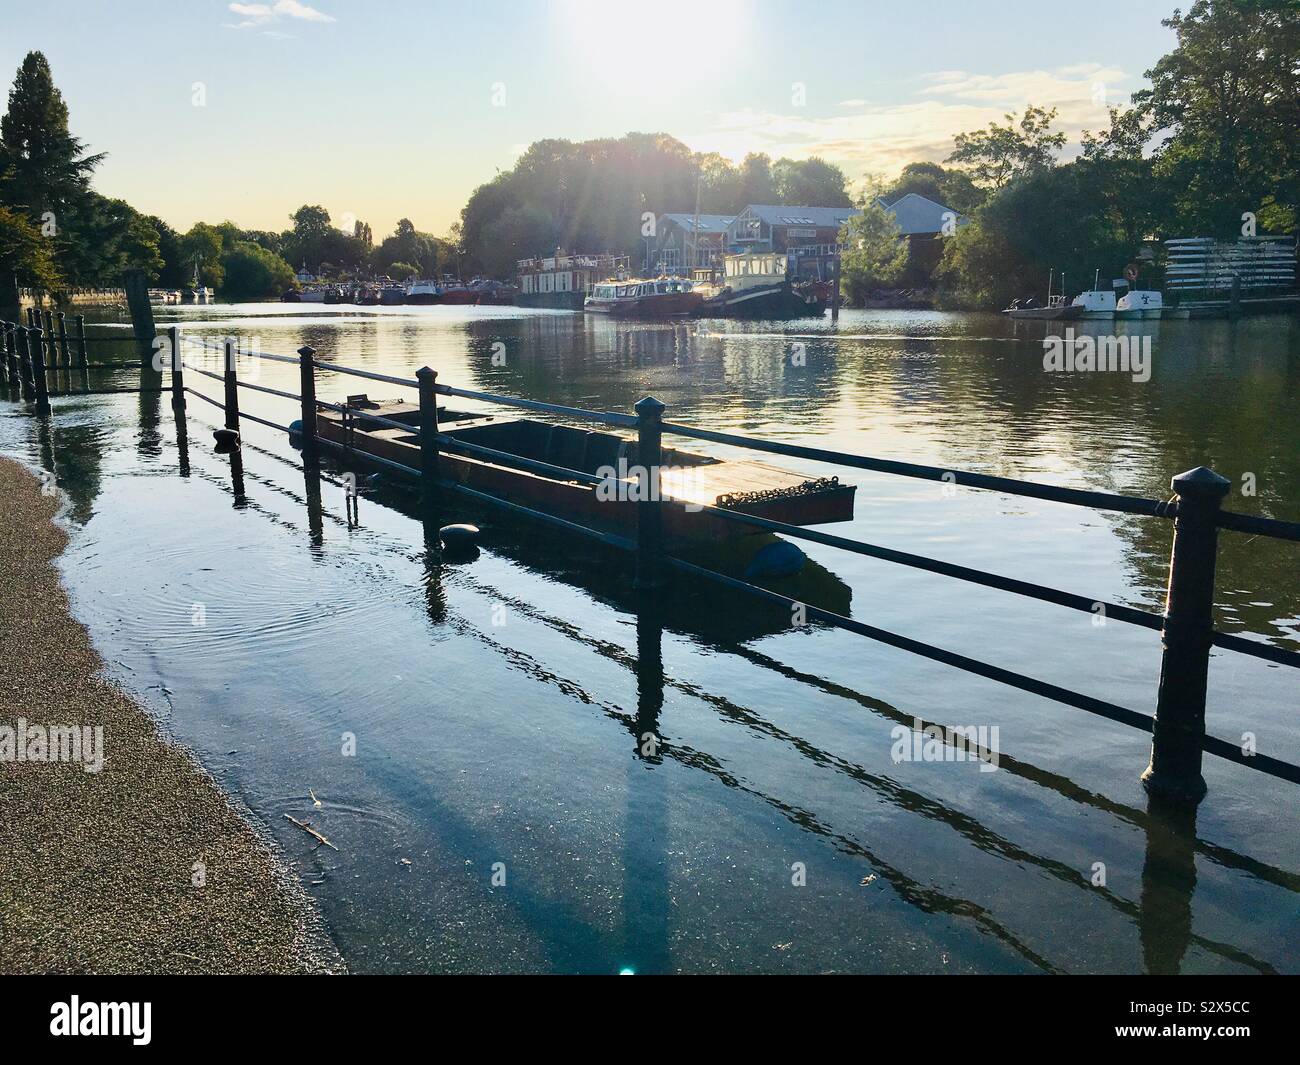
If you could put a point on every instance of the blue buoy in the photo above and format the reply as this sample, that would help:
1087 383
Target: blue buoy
778 559
295 434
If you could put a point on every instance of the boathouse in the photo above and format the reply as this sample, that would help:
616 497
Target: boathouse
686 242
808 235
923 223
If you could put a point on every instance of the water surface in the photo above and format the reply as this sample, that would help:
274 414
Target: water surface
496 707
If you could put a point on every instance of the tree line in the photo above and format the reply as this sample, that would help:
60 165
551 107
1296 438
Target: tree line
1208 148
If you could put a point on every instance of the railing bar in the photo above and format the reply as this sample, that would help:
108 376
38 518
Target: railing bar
1120 714
613 539
1074 496
405 382
270 391
1249 523
356 413
622 421
457 444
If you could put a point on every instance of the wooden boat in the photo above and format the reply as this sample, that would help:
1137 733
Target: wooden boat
758 285
747 486
1057 310
664 297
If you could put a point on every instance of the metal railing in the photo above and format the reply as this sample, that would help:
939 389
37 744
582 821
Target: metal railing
1178 731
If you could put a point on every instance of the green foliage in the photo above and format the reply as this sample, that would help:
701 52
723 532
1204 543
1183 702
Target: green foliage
24 253
43 168
952 188
406 246
996 155
1048 220
876 255
402 271
252 272
1229 93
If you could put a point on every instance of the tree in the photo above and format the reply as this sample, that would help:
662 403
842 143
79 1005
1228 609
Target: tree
952 188
201 248
995 156
1123 177
251 272
810 183
1228 95
43 168
875 255
756 183
24 253
403 271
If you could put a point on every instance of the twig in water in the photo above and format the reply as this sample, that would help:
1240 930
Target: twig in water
310 831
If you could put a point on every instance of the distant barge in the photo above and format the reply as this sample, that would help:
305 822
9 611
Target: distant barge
750 487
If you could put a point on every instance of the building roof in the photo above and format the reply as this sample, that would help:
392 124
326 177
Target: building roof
915 213
821 217
709 223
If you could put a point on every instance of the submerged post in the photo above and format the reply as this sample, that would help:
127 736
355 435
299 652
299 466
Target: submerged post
25 363
232 386
835 293
51 352
64 357
307 379
428 381
38 374
1179 729
178 370
649 508
11 354
81 340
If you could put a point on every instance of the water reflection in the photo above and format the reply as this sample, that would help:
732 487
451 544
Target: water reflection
767 744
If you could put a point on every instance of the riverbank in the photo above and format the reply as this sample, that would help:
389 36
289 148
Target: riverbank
143 865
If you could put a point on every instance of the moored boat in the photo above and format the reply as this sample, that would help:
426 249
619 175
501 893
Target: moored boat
664 297
1056 309
751 487
1140 303
423 292
758 285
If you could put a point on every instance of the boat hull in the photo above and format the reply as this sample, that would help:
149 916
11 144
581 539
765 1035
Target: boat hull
775 302
751 487
1044 314
658 305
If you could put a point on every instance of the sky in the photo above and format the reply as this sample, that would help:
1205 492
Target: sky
386 109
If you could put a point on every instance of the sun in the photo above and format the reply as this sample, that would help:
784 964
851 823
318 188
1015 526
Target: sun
630 44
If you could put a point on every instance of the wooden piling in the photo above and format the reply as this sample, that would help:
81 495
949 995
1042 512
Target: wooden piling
232 386
649 512
1179 730
307 390
40 384
428 380
137 301
177 369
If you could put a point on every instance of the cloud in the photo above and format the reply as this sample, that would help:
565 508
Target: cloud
881 139
265 14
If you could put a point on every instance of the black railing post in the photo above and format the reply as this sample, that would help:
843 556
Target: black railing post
81 340
177 368
25 363
11 354
1179 729
649 510
38 373
232 385
428 381
51 352
63 340
307 382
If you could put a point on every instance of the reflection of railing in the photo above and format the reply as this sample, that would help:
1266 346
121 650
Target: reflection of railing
1186 626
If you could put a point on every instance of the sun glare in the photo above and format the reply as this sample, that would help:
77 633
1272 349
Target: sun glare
630 44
